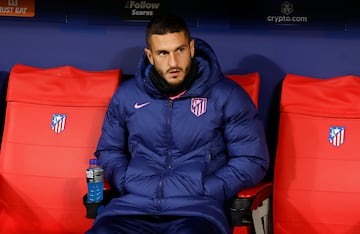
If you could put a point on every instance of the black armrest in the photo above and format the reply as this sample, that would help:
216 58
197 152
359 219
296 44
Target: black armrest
247 200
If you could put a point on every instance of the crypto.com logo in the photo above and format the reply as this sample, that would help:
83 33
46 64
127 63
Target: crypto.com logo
287 8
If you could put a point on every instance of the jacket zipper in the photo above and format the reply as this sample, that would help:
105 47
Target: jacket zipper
168 156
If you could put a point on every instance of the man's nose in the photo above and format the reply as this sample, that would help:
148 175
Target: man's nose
173 60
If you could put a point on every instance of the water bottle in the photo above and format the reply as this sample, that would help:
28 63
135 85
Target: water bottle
95 181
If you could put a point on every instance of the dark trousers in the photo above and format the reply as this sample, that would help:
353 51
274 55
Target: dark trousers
153 225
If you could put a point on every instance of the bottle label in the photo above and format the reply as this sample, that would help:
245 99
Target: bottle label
95 184
94 175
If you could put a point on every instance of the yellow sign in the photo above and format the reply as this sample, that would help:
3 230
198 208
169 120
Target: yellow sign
19 8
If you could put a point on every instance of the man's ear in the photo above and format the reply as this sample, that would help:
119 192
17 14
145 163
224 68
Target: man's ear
149 55
192 47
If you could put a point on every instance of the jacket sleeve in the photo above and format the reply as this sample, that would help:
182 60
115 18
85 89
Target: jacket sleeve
112 147
247 152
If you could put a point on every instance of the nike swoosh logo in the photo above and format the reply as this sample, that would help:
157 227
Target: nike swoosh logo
138 106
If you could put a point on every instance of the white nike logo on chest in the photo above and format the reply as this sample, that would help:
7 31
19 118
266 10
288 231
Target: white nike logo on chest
138 106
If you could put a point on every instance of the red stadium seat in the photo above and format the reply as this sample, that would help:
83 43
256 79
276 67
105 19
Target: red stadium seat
316 178
52 125
250 82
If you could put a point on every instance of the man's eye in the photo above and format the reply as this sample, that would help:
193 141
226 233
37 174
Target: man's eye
181 50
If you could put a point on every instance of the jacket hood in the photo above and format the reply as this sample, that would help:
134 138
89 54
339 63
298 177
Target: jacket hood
209 71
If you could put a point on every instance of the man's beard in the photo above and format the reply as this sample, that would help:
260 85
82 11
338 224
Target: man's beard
157 77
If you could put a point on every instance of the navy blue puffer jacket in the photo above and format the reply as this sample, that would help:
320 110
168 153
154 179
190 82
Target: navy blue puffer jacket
185 156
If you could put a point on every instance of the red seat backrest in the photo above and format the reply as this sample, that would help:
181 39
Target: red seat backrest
250 83
317 177
43 163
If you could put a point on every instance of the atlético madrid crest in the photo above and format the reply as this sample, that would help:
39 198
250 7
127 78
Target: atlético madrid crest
58 122
198 106
337 135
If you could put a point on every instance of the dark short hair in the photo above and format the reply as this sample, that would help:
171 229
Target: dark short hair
166 23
